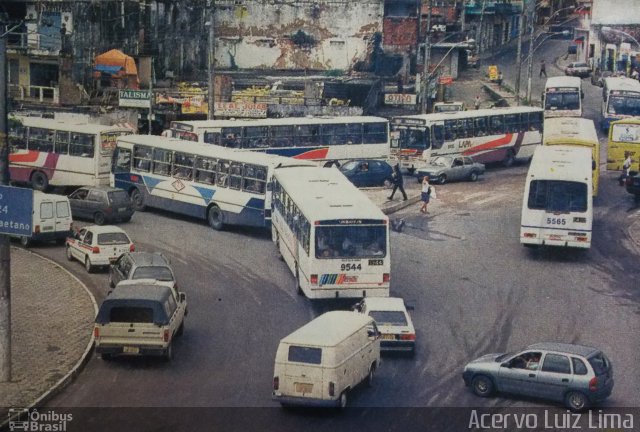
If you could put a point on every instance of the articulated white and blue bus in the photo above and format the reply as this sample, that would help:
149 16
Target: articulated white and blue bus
223 186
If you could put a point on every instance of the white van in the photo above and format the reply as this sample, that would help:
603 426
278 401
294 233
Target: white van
51 219
321 362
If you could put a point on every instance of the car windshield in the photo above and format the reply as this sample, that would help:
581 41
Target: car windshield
118 197
349 166
562 101
504 356
153 272
389 318
113 238
440 161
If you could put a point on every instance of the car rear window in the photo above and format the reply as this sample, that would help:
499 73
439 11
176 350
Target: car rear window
153 272
303 354
395 318
118 197
600 363
112 238
131 315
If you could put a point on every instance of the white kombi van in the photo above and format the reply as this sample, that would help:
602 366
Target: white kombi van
51 219
322 361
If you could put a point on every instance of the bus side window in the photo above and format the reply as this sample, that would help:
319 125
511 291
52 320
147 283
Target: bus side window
375 133
354 133
62 142
235 176
438 136
497 125
142 158
81 145
17 136
205 170
535 121
223 173
162 162
449 130
212 138
480 126
281 136
122 162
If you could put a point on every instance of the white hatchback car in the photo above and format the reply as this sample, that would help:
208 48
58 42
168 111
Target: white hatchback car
393 321
96 246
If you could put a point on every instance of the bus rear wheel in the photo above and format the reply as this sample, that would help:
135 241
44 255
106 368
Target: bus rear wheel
215 218
137 200
39 181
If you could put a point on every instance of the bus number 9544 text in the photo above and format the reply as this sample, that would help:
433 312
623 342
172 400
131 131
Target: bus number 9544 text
350 267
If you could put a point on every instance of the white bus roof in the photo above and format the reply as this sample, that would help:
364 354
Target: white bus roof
70 126
286 121
468 114
329 329
621 84
560 162
211 150
326 194
563 81
573 130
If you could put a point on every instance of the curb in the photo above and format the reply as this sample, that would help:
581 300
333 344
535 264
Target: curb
84 359
635 239
402 204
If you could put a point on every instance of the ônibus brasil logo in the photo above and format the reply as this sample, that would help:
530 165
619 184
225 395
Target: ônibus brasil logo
31 420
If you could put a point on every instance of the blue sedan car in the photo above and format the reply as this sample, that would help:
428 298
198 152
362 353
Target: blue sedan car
367 173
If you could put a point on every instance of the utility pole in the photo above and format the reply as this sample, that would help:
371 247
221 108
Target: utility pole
151 99
463 14
5 251
532 27
519 57
479 32
211 62
427 59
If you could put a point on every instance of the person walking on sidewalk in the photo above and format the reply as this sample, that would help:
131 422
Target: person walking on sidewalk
626 167
398 182
476 102
428 192
543 69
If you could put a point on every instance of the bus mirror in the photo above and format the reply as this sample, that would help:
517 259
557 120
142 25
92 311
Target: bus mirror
581 94
593 164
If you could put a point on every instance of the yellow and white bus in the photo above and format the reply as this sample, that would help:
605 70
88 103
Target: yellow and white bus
573 131
332 237
562 97
557 207
47 152
624 138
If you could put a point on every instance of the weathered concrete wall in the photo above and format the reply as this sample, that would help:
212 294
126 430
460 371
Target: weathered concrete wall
260 34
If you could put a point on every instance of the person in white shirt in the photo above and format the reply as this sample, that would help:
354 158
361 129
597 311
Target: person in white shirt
626 167
428 191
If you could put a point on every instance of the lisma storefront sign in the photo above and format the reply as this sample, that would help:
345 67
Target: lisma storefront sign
134 98
16 210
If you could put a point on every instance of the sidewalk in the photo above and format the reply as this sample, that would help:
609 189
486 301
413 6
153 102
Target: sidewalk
379 196
52 315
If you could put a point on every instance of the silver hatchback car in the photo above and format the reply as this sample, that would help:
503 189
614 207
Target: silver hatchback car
577 375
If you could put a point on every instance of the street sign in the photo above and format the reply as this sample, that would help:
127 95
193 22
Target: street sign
16 210
492 71
134 98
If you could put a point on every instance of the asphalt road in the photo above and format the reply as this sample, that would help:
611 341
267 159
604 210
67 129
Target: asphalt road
473 287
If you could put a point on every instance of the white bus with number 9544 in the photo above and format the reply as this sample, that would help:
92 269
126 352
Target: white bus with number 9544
557 207
333 238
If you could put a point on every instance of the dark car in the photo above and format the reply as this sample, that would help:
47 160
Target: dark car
101 204
363 173
142 265
577 375
578 69
632 184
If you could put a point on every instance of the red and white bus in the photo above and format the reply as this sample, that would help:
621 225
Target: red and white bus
48 152
488 135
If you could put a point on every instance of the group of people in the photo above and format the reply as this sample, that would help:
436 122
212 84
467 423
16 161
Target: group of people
428 192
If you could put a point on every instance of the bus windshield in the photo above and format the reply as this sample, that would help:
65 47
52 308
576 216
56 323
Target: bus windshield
351 241
558 196
562 101
624 105
414 138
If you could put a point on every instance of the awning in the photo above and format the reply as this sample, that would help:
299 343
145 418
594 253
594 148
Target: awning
107 69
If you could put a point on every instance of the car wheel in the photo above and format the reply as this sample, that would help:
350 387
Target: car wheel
509 159
482 386
88 265
99 218
442 178
576 401
343 400
69 254
168 354
25 241
215 218
473 176
137 200
39 181
372 370
180 331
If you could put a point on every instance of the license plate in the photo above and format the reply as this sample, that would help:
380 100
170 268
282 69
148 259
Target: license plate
388 337
131 350
303 387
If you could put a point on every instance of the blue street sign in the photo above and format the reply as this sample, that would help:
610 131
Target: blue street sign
16 210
